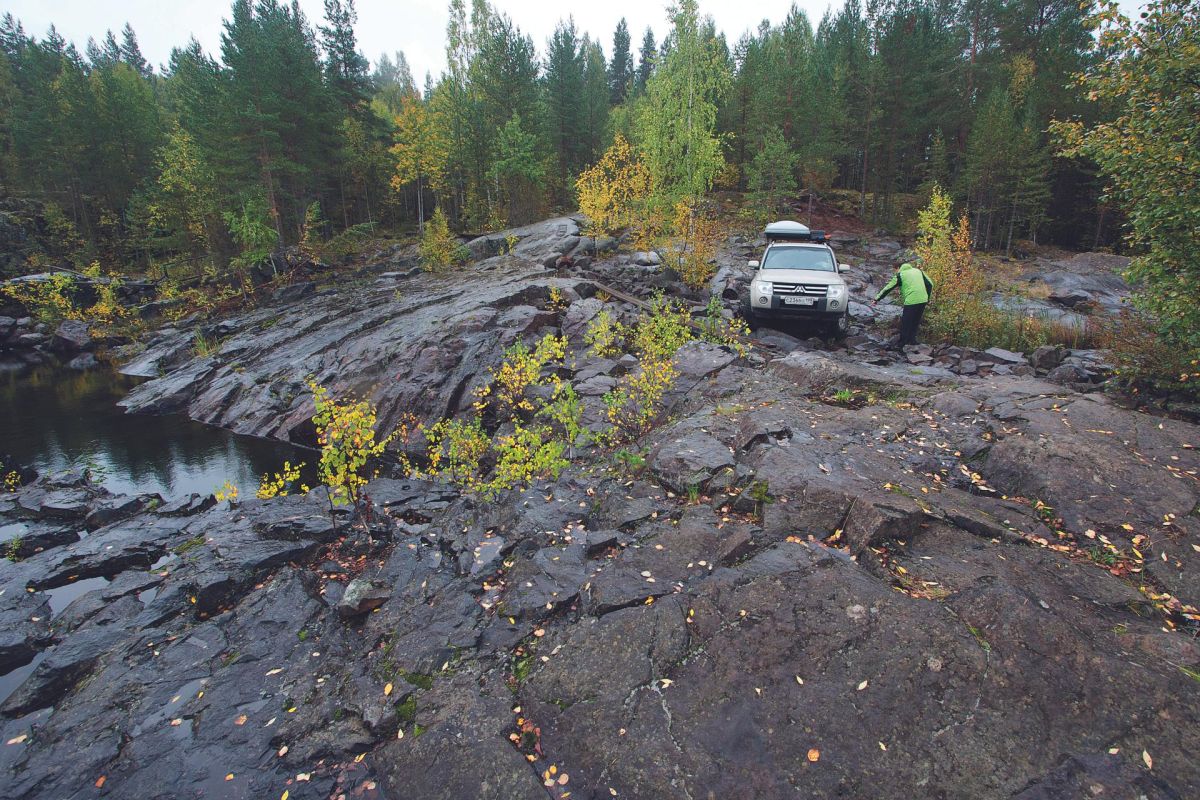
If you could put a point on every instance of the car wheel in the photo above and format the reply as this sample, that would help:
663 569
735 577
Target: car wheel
748 313
841 327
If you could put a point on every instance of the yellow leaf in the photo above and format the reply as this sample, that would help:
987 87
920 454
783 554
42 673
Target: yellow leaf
229 777
1149 761
18 739
1126 526
387 690
285 794
863 685
883 747
241 720
814 755
358 758
275 671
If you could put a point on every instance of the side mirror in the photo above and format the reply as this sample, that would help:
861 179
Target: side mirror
752 264
843 267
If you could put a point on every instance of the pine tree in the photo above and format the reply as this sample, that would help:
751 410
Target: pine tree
647 55
563 84
345 67
620 69
131 53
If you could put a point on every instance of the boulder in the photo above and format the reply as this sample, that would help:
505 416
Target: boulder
1002 356
646 258
83 361
362 596
1047 357
71 336
293 292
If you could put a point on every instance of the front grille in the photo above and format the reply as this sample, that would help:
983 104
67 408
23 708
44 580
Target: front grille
809 289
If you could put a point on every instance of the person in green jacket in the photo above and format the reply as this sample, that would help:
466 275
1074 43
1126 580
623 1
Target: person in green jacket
915 291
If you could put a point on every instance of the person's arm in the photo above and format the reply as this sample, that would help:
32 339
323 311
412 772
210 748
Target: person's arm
892 284
928 285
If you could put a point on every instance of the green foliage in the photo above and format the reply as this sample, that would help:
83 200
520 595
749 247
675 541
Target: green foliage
678 126
50 300
1149 155
349 445
604 335
771 172
440 249
634 405
731 332
251 229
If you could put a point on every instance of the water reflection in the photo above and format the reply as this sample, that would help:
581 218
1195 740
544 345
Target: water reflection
53 418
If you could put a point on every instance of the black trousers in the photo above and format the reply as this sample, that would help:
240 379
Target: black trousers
909 322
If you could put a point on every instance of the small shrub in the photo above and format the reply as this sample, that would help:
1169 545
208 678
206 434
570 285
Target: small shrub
48 300
731 333
613 192
227 492
526 453
521 369
456 450
348 441
440 250
699 233
281 482
605 336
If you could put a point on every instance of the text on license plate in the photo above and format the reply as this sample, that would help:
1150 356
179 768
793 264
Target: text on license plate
799 301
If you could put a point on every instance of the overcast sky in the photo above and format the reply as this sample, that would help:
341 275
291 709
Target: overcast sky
415 26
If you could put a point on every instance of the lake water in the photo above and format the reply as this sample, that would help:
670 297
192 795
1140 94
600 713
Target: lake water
53 419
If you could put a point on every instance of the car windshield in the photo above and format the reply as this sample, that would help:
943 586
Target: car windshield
813 258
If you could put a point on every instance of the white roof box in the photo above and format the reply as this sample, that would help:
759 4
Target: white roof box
787 230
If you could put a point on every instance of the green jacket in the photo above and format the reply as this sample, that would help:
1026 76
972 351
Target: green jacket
915 286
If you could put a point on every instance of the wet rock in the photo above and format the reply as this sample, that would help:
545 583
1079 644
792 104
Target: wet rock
187 505
644 258
71 336
1002 356
579 314
362 596
110 509
690 461
294 292
83 361
63 668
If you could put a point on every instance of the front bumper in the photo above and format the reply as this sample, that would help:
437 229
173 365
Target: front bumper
824 308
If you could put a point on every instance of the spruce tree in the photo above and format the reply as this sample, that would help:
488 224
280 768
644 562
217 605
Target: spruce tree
647 55
620 69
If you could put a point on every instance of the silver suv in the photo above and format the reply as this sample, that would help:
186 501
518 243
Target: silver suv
798 278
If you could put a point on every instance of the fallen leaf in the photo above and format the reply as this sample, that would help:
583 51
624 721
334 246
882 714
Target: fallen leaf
100 781
1126 526
275 671
387 690
814 755
358 758
863 685
175 723
229 777
1149 761
799 680
883 747
285 794
18 739
540 632
241 720
303 776
1112 751
282 751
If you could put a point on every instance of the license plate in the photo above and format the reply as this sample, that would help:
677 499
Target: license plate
799 301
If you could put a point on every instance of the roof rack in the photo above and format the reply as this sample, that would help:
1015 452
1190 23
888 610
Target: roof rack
790 231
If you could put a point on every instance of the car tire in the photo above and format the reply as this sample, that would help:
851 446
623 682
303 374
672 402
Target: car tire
748 313
841 327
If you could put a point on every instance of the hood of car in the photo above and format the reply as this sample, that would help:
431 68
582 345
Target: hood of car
807 276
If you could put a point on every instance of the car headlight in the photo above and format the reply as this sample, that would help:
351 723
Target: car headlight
837 291
764 287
